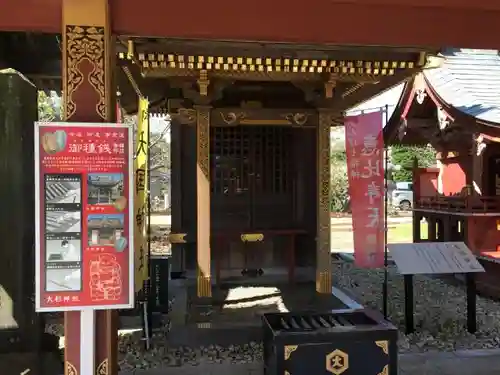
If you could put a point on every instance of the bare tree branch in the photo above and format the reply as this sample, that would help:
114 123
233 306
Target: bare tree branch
161 135
156 167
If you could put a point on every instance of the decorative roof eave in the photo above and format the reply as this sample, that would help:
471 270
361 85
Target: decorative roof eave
415 88
286 68
399 114
455 114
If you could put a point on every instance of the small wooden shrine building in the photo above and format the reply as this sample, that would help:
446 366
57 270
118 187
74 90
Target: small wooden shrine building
456 109
275 71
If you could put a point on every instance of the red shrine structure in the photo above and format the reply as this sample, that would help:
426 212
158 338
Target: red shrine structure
251 91
456 109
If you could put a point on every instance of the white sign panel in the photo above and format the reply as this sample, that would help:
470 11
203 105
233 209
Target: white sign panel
427 258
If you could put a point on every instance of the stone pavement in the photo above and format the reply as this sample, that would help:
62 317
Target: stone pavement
466 362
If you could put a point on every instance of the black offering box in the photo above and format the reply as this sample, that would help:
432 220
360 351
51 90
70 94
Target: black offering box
349 342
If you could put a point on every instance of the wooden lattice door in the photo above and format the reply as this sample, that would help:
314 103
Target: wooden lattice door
251 177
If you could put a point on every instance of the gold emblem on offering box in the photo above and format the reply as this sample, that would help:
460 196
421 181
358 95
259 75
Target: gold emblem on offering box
337 362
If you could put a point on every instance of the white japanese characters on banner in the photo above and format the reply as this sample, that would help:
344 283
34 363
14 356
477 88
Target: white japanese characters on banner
365 166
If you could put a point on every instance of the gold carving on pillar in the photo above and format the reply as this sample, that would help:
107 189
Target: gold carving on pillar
330 86
204 286
203 82
202 139
323 261
70 369
84 46
102 369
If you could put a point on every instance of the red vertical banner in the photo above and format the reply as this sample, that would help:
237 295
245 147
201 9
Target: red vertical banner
365 168
84 210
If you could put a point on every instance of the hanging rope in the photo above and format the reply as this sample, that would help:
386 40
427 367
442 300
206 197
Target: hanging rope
132 81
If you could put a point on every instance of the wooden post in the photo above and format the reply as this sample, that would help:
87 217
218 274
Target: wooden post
323 246
88 52
448 224
431 228
204 285
417 236
417 217
178 250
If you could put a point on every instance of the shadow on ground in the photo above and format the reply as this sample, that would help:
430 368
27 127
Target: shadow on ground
236 311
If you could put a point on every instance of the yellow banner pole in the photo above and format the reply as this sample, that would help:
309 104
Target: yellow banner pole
140 201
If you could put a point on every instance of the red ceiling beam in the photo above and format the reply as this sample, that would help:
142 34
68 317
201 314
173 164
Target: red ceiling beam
321 21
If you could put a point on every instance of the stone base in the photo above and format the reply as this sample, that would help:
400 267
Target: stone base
31 363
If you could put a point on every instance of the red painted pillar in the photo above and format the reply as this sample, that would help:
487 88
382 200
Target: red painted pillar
89 96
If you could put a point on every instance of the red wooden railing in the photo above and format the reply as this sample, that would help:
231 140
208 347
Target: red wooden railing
467 204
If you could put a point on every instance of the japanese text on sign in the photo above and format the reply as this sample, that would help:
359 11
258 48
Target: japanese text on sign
140 195
365 153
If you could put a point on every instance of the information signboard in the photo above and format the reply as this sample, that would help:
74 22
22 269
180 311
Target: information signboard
428 258
84 233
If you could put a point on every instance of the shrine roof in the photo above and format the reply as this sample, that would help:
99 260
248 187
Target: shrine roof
469 80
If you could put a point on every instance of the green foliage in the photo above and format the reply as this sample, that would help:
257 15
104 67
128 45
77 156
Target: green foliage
404 156
339 185
49 107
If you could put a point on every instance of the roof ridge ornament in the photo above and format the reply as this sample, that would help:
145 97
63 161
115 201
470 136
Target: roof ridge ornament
434 61
420 95
443 118
480 145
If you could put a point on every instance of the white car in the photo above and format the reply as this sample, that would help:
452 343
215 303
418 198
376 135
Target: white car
402 195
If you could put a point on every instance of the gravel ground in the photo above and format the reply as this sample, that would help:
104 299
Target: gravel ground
440 319
133 356
440 310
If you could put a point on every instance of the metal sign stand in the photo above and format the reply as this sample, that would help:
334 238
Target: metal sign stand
149 292
386 228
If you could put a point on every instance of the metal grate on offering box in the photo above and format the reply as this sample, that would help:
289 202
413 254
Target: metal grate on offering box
315 321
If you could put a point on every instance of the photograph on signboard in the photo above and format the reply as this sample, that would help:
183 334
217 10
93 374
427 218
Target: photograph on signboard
60 279
60 221
106 230
106 189
62 189
63 250
54 142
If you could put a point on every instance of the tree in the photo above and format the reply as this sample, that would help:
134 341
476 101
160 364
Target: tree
159 147
339 185
49 106
404 156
